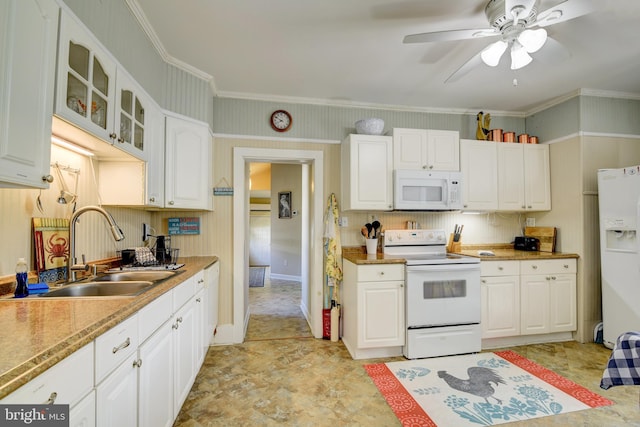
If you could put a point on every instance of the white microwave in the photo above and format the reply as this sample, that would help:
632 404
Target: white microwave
419 190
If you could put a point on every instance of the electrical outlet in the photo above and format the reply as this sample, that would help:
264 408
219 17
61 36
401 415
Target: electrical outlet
531 222
343 221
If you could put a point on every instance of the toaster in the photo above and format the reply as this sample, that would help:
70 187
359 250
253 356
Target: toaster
524 243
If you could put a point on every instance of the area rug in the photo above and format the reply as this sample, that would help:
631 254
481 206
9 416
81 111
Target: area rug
256 277
481 389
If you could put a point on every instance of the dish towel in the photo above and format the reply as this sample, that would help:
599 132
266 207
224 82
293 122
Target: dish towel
624 363
144 256
332 249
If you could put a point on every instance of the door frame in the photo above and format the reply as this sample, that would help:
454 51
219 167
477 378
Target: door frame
315 159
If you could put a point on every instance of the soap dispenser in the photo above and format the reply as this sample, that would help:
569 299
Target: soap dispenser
22 290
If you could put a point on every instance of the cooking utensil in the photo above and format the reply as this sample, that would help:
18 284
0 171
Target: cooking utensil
376 227
39 202
363 230
369 228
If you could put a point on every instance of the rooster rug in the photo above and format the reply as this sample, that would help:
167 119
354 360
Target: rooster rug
481 389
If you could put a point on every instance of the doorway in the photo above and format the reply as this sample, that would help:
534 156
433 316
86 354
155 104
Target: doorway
311 243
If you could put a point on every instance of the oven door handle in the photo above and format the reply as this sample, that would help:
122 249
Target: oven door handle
443 267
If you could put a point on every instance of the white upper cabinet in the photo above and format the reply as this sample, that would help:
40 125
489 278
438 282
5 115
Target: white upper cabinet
367 174
96 94
28 34
426 149
187 164
479 165
523 177
85 92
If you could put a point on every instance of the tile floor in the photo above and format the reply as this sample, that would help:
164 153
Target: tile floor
282 376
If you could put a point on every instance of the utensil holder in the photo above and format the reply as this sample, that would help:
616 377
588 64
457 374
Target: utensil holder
454 247
372 246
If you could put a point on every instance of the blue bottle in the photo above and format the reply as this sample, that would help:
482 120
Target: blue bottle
22 290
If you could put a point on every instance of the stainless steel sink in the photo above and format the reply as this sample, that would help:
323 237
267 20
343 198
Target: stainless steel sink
122 276
102 289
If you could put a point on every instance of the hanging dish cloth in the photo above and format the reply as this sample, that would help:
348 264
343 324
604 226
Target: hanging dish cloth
332 250
623 367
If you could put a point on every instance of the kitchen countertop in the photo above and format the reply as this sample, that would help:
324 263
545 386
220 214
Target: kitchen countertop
38 332
503 252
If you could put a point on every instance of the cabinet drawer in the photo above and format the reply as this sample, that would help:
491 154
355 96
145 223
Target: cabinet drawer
67 382
115 346
499 268
548 266
152 316
183 293
378 272
199 281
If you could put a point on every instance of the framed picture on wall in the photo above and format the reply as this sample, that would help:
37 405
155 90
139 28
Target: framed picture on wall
284 204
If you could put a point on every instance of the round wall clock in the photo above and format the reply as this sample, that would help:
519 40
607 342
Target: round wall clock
281 121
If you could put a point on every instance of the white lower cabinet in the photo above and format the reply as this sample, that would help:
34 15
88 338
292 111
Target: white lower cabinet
548 296
155 380
117 396
373 309
500 296
138 373
68 382
528 297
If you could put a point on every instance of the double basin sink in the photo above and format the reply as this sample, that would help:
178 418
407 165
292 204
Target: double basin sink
118 284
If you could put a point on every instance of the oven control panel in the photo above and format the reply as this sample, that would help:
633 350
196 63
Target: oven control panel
414 237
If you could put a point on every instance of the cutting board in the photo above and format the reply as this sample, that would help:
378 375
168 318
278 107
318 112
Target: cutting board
546 235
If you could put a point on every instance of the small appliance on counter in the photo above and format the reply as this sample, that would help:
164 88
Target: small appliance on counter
524 243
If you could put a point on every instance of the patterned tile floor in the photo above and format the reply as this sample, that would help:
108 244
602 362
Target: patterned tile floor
281 376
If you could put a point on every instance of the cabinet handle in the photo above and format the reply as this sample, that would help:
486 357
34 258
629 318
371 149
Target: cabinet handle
171 202
566 266
152 199
500 268
137 363
113 136
523 207
175 326
198 300
121 140
382 273
535 267
52 398
47 178
483 281
548 278
201 281
553 277
179 319
125 344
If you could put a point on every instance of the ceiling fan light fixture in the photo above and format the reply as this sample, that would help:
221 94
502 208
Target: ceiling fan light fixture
519 56
533 40
491 54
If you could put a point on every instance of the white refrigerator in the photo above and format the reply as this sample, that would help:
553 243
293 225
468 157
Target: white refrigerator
619 208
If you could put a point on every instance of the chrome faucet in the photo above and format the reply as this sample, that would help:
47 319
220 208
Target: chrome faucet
72 263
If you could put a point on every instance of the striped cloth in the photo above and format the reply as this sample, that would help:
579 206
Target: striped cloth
624 363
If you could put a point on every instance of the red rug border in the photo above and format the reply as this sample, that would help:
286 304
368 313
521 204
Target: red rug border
406 418
381 372
578 392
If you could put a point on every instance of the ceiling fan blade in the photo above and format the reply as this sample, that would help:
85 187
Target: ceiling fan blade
568 9
441 36
553 52
472 63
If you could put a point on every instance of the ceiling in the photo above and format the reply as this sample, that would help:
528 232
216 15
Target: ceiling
352 52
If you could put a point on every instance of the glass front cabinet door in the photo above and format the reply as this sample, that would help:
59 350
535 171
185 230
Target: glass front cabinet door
86 80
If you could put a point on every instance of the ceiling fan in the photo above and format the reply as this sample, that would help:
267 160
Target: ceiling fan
520 25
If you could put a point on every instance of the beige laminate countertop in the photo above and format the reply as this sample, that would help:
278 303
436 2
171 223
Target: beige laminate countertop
38 332
358 255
